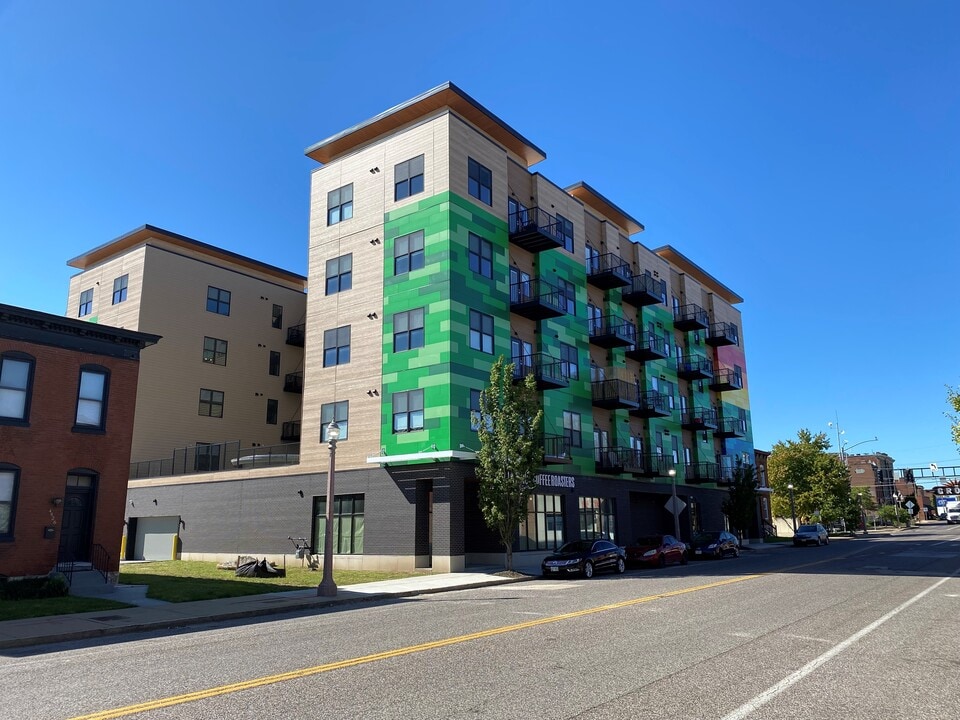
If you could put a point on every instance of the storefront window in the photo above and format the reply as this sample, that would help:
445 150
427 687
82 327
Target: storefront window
598 518
347 524
543 527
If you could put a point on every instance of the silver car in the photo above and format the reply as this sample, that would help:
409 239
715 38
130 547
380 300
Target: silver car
811 535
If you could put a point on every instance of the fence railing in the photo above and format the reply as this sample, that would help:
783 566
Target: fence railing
216 457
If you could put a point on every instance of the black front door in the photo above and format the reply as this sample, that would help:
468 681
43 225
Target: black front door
75 525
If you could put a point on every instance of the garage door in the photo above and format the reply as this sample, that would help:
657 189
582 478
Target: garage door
155 536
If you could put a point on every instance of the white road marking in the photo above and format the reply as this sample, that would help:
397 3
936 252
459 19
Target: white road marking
793 678
807 637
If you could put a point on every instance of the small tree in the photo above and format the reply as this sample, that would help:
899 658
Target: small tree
511 451
820 481
953 400
741 505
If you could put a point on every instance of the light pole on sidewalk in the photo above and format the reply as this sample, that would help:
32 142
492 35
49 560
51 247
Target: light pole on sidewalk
327 587
672 472
793 508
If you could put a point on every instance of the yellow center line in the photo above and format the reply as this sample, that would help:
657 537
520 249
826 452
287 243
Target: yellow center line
317 669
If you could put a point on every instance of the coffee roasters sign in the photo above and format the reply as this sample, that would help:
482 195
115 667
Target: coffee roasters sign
557 481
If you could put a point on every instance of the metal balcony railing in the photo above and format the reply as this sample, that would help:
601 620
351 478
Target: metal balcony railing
608 271
537 299
216 457
534 230
611 331
296 335
690 317
645 290
293 382
723 333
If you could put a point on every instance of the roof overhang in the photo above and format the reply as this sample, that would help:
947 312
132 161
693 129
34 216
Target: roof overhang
436 456
603 205
447 95
687 266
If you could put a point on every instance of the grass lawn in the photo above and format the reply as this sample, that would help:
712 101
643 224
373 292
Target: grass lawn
186 580
22 609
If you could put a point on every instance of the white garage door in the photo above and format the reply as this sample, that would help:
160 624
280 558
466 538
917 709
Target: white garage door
155 537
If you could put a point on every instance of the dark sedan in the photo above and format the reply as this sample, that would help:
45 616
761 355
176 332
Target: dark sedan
715 544
657 551
585 557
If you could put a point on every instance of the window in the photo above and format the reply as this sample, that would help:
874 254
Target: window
16 378
481 332
568 295
340 204
565 228
481 256
408 178
666 388
408 253
273 407
120 289
479 182
543 527
518 215
329 412
92 399
218 301
593 259
569 364
211 403
340 274
207 457
214 351
336 346
408 330
86 303
408 411
594 319
9 480
347 523
475 415
598 518
276 320
274 368
571 428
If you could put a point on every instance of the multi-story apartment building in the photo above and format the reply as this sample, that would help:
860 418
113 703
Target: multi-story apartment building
434 249
873 471
229 373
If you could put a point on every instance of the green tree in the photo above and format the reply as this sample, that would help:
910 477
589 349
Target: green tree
861 502
511 451
741 505
953 400
821 483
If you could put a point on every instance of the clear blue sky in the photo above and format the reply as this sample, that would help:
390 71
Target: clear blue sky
807 154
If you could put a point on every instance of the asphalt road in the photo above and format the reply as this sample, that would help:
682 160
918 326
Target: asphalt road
862 628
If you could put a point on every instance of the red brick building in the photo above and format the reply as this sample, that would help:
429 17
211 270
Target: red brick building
67 397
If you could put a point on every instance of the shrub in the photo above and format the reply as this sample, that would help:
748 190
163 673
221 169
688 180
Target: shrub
34 588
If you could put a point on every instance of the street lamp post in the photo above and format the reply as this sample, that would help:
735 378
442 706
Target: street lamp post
793 508
327 587
863 515
672 472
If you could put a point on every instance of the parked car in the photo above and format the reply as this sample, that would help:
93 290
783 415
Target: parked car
585 557
715 544
953 515
815 534
657 551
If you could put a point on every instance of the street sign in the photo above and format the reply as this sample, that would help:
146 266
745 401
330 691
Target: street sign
909 504
675 505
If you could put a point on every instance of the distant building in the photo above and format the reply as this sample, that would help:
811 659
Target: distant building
875 472
67 396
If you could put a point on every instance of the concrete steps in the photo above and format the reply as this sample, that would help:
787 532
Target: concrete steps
90 583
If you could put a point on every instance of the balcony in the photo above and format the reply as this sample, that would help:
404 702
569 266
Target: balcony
547 371
691 317
726 379
616 460
611 331
290 432
650 404
534 230
556 450
726 471
694 367
537 300
699 419
723 333
730 427
649 347
296 335
293 382
702 472
608 271
614 394
645 290
654 466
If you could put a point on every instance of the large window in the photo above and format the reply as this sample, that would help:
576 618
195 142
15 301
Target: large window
273 407
16 378
347 524
274 366
475 416
598 518
479 182
569 364
218 301
86 303
276 319
340 274
408 178
338 411
408 253
568 295
408 411
92 398
565 228
9 479
336 346
571 428
340 204
211 403
543 527
481 332
408 330
481 256
120 289
214 351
